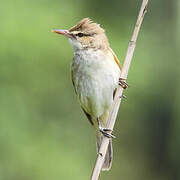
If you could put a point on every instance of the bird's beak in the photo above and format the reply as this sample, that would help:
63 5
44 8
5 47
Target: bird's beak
62 32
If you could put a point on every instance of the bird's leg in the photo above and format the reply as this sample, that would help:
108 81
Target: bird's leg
122 83
106 132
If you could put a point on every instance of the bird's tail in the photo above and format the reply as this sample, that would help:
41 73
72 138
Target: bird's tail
109 154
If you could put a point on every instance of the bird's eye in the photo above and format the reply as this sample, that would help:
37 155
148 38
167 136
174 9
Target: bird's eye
80 35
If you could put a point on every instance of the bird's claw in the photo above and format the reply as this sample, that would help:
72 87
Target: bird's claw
122 83
107 132
123 96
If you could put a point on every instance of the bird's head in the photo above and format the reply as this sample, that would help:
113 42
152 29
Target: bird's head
86 35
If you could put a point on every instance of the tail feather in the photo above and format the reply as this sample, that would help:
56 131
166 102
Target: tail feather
109 154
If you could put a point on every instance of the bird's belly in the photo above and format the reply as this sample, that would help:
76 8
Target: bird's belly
95 87
94 95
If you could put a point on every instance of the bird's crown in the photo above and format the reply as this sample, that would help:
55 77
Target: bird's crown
87 26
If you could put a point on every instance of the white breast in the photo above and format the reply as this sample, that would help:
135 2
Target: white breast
95 77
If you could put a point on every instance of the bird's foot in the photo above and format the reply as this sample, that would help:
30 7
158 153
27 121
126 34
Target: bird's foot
105 131
122 83
123 96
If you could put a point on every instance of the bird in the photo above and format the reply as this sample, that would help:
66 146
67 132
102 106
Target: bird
95 72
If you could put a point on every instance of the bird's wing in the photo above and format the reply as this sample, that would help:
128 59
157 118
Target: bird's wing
115 58
87 115
72 78
118 63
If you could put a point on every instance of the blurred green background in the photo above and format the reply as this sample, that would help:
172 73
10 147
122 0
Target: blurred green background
44 133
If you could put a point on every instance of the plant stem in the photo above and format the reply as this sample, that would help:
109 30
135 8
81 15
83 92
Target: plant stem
117 100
